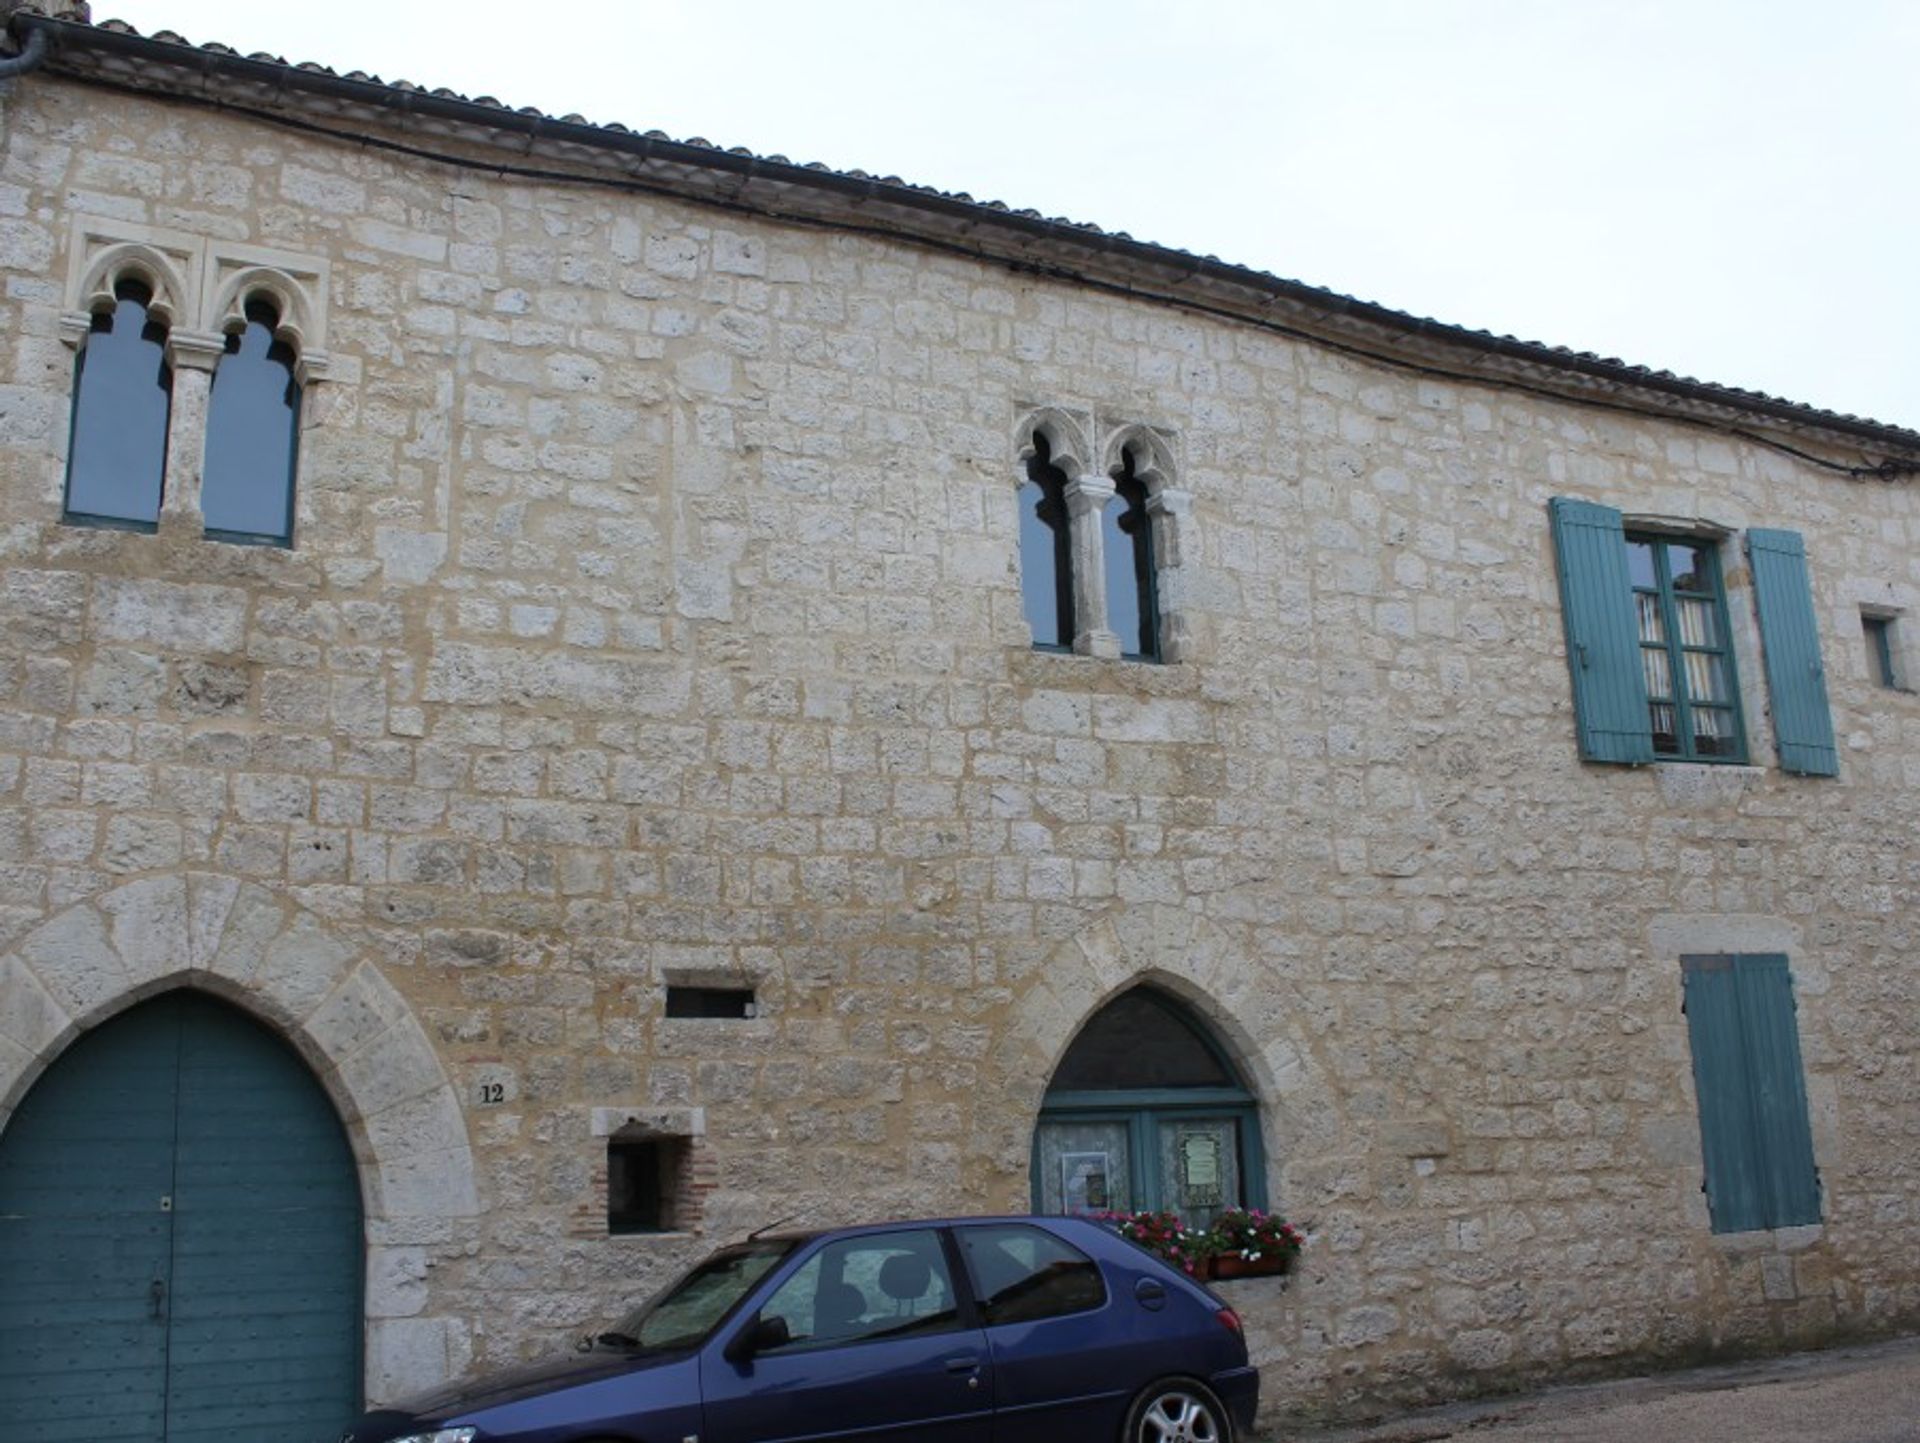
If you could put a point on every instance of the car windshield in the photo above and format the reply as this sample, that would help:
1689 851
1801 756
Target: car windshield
689 1310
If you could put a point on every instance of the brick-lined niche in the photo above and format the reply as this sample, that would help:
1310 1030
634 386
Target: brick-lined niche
656 1174
645 1183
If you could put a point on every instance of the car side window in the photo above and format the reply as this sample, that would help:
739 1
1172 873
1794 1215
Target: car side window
884 1285
1022 1274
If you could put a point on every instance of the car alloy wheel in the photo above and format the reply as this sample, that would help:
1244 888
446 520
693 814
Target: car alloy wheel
1177 1413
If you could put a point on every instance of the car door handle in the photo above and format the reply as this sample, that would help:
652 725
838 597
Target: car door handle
963 1365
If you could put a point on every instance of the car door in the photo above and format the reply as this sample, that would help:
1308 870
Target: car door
880 1348
1067 1357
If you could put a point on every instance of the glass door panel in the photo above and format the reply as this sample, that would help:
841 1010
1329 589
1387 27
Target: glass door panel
1199 1167
1085 1167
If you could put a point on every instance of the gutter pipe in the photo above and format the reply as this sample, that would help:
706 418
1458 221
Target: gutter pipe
32 53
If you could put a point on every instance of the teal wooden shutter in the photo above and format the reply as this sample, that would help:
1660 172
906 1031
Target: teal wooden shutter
1603 640
1735 1192
1790 1182
1796 680
1754 1136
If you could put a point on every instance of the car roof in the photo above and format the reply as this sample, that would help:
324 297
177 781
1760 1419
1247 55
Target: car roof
801 1235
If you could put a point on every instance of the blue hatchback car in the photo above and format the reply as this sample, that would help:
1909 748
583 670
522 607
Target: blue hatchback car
970 1330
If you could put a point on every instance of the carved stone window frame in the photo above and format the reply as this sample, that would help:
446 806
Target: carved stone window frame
1091 450
201 287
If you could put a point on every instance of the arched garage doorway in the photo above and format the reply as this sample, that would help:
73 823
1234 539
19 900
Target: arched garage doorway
180 1238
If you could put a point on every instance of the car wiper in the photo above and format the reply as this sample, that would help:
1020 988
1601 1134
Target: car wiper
754 1236
617 1340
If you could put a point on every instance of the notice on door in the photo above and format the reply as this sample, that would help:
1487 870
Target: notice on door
1200 1169
1083 1182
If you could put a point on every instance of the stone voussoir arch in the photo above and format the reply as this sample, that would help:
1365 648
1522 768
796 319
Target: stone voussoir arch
272 958
323 994
1190 958
317 989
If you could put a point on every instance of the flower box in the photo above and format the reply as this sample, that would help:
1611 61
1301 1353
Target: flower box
1240 1243
1222 1267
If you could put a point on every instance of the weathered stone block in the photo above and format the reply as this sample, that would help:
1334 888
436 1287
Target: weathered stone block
30 1017
409 1355
192 617
74 958
148 920
300 967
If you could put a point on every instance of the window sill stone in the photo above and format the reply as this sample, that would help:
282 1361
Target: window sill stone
1771 1240
1707 783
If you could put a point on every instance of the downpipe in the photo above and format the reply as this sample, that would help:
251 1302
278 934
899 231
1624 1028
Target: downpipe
32 53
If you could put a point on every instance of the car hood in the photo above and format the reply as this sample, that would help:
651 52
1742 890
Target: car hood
489 1390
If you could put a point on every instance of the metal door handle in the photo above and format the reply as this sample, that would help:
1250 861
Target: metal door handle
156 1297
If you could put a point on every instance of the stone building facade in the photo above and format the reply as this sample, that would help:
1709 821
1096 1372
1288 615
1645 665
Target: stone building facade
653 617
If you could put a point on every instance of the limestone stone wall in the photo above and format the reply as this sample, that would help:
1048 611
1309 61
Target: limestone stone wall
654 616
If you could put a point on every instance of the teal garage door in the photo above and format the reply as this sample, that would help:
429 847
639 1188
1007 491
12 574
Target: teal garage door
180 1240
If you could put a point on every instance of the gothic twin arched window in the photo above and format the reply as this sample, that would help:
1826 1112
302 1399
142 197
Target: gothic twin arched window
1089 570
1147 1111
122 409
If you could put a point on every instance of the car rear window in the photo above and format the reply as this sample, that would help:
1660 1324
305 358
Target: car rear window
1022 1274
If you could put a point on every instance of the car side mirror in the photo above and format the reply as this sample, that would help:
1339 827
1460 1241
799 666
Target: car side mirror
758 1337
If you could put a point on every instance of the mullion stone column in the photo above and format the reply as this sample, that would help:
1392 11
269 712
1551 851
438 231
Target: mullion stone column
193 355
1086 498
1171 510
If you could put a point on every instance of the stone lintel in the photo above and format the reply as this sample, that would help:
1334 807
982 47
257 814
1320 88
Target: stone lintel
649 1121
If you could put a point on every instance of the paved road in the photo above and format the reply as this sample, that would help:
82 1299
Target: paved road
1848 1395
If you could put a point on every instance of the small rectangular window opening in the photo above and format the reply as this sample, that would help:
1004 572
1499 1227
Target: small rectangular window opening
1880 650
643 1183
722 1002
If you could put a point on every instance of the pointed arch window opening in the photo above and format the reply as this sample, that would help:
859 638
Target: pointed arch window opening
122 407
253 431
1146 1111
1046 552
1133 605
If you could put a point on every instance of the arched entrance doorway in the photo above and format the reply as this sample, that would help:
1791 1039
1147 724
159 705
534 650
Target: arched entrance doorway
180 1238
1146 1111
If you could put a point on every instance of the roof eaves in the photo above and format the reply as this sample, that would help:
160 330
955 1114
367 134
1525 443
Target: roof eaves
114 51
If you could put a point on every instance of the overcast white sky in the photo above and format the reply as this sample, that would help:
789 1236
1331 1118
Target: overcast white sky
1723 188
